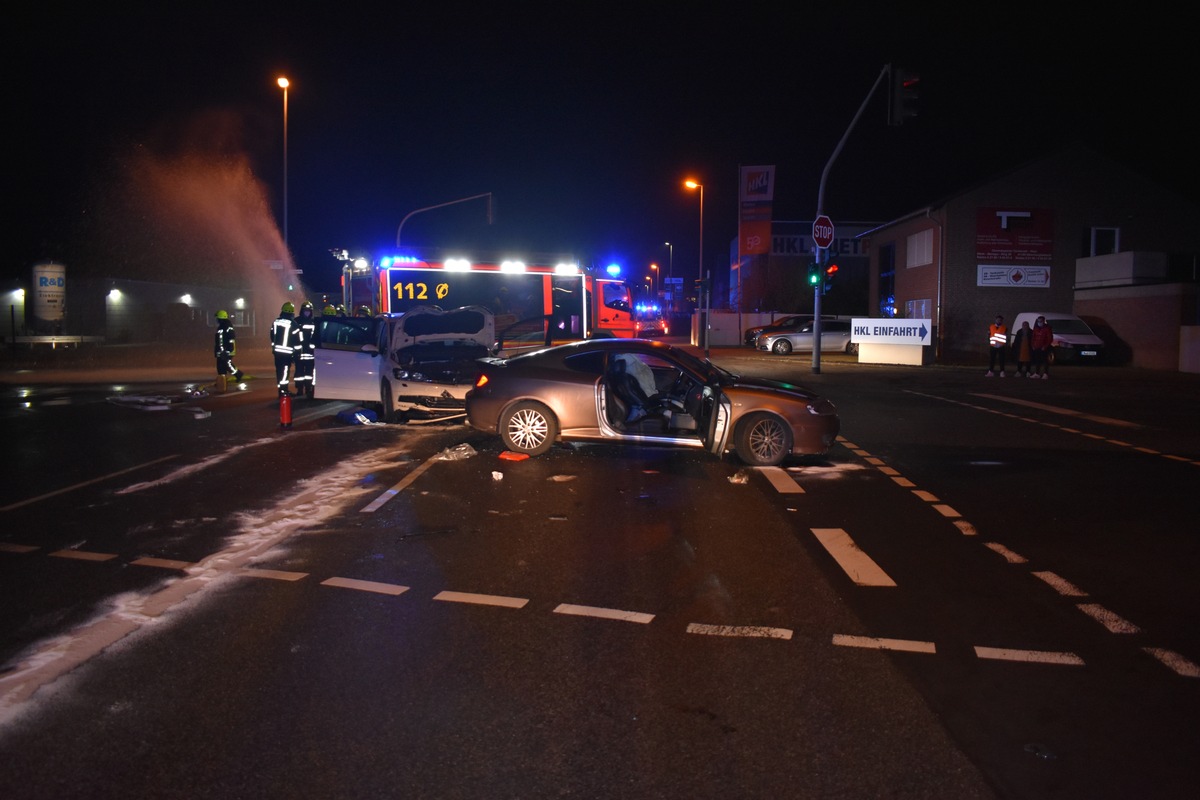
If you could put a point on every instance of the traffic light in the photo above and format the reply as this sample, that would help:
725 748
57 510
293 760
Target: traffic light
905 89
814 274
830 270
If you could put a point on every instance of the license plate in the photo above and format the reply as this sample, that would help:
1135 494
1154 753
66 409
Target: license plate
1087 352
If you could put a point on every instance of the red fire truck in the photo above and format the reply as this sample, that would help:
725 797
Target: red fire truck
550 303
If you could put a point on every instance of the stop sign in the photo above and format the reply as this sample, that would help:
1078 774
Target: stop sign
823 232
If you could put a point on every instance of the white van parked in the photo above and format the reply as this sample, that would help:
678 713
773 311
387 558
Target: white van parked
1074 341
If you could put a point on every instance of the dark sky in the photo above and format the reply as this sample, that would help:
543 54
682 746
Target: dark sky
582 120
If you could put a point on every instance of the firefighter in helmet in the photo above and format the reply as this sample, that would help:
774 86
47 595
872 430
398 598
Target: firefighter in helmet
306 351
363 311
224 349
284 341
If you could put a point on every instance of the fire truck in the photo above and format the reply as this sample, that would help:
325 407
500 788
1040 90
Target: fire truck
532 303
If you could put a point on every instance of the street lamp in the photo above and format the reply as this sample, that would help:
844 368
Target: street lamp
691 184
654 281
283 84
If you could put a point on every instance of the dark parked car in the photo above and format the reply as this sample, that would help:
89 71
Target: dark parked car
648 393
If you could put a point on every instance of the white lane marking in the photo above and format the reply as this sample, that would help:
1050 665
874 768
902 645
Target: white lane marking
83 555
366 586
1110 620
164 563
1120 423
875 643
603 613
73 487
1009 555
857 564
928 497
1174 662
378 502
1060 584
783 483
272 574
966 528
739 631
946 511
482 599
1031 656
905 482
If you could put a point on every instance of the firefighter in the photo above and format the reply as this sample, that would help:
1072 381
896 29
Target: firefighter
224 349
283 344
363 311
306 351
328 311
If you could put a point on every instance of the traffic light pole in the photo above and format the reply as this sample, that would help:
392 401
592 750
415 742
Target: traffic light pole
816 357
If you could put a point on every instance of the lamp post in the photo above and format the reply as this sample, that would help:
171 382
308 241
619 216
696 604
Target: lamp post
671 270
691 184
654 281
283 84
700 286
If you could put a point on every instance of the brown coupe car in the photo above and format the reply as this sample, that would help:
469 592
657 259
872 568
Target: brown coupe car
649 393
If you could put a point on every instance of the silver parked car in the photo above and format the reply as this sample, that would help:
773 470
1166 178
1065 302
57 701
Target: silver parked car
642 392
835 338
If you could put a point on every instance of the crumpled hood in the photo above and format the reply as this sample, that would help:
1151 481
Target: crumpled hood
469 325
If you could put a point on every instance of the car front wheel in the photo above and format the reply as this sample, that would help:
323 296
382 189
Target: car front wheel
781 347
851 348
763 440
528 427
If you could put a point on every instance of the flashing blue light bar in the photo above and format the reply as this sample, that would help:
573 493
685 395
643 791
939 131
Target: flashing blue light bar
613 269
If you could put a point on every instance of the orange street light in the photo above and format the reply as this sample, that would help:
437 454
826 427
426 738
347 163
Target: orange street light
692 184
284 83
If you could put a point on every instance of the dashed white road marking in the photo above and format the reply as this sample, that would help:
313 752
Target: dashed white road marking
1175 662
162 563
1060 585
83 555
378 502
75 486
482 599
1009 555
875 643
857 564
739 631
366 586
779 478
603 613
1110 620
1031 656
271 574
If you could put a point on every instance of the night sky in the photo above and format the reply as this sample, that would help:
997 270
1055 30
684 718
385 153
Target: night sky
148 142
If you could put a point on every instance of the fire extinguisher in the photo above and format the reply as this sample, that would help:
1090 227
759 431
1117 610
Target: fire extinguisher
285 410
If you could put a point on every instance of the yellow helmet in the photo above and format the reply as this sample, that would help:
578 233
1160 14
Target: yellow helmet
222 314
328 311
288 308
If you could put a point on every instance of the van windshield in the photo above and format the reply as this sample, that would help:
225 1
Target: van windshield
1068 327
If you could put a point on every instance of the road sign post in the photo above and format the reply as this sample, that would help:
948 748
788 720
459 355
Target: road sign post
822 233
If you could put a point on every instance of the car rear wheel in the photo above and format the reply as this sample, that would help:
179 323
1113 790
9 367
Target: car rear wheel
851 348
781 347
528 427
763 440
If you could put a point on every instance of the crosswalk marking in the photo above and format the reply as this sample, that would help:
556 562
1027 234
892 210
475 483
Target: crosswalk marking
857 564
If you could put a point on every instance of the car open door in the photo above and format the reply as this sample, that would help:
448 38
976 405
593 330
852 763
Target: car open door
347 359
719 410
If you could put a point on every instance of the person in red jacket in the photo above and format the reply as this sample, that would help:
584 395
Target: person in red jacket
1039 344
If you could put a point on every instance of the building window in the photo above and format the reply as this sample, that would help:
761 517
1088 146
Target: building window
918 309
1104 241
887 280
920 248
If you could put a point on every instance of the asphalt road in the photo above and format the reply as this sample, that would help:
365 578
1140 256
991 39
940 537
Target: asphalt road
986 589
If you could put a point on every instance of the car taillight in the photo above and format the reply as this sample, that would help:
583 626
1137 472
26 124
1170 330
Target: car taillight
481 381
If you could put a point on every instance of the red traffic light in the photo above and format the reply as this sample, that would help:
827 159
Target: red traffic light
832 268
